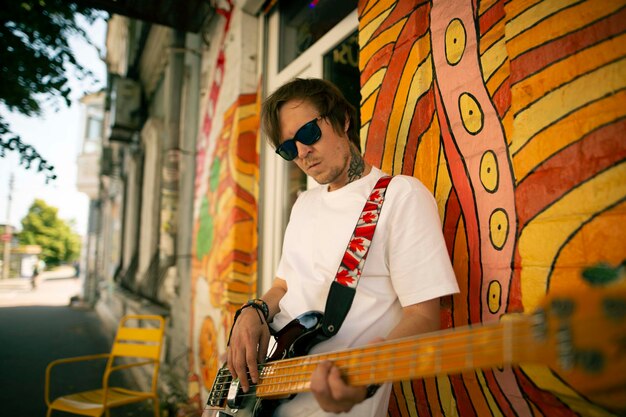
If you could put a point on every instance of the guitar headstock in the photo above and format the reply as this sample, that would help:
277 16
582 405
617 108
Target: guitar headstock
585 332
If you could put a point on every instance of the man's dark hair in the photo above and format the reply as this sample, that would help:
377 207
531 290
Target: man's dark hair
323 95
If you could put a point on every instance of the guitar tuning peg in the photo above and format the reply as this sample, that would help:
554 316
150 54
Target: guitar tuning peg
562 308
603 273
591 361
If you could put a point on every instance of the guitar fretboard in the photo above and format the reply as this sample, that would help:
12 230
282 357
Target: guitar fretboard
449 351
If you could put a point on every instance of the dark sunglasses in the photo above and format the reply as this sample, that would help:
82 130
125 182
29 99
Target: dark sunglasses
308 134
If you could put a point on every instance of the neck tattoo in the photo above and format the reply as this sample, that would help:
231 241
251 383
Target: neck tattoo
357 165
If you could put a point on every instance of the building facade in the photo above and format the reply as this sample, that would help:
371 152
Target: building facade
510 112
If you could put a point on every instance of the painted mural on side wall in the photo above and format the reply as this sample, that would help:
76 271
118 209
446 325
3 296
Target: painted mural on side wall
512 114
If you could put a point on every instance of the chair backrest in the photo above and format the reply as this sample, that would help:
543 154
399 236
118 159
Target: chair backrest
139 337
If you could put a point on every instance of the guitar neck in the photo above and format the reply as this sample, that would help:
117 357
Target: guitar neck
445 352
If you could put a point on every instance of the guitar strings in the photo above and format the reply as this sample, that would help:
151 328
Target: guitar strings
272 370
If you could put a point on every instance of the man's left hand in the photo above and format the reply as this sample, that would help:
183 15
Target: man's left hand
331 392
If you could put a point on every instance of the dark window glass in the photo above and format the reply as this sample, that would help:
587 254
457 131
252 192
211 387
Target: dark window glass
303 22
341 67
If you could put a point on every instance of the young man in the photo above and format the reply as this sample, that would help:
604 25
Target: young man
407 269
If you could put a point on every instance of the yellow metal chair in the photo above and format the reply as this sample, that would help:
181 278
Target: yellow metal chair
138 344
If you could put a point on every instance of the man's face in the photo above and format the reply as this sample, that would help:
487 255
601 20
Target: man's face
327 160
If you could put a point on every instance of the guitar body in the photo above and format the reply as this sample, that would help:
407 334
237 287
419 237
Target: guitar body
293 340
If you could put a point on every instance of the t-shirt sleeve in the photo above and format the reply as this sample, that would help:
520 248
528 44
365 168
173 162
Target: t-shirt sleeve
419 262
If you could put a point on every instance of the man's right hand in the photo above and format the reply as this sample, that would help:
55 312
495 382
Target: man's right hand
248 346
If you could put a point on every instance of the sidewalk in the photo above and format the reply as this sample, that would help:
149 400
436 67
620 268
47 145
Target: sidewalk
38 326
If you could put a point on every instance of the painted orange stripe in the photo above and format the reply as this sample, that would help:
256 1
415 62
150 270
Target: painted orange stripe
537 85
476 394
388 36
373 9
460 263
567 131
433 396
561 23
497 78
491 37
425 167
419 48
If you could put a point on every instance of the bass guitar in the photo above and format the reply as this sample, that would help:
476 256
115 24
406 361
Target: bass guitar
581 335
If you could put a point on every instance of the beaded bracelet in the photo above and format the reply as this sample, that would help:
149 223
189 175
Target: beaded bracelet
260 307
258 304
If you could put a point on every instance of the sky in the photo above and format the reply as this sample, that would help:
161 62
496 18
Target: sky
56 135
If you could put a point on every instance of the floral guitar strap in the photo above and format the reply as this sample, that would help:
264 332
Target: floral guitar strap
343 288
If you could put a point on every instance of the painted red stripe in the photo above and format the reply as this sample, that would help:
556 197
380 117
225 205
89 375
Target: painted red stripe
502 99
465 195
463 401
545 401
376 136
421 399
401 10
491 17
497 394
575 164
544 55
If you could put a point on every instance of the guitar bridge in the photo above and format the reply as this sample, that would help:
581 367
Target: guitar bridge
220 389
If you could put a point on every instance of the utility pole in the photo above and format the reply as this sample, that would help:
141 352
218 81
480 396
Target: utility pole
7 236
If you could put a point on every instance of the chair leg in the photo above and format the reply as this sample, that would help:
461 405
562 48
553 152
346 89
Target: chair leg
49 412
155 404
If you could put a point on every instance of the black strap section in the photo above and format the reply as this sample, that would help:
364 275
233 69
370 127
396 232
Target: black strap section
338 304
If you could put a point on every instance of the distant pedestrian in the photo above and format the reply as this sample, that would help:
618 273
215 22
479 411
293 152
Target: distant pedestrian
34 277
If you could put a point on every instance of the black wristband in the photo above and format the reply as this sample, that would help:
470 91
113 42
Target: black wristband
371 390
259 304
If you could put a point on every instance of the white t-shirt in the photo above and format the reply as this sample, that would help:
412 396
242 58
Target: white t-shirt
407 263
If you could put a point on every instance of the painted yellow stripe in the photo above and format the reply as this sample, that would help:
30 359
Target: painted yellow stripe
498 78
492 36
409 397
425 166
421 82
390 35
363 135
443 185
493 405
558 222
516 7
562 101
367 30
397 130
546 380
567 131
485 5
531 16
367 108
561 24
448 402
537 85
374 9
493 58
373 83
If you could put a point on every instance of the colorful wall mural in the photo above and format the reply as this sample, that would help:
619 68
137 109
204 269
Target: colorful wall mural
512 113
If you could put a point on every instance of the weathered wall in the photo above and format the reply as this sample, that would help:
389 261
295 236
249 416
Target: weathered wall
224 252
512 113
